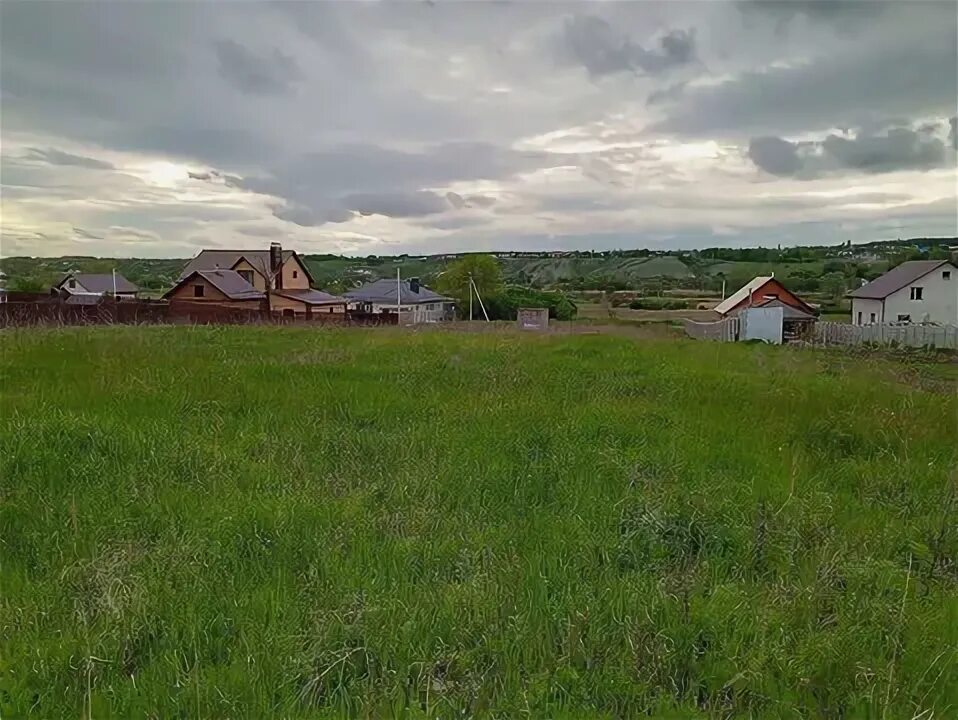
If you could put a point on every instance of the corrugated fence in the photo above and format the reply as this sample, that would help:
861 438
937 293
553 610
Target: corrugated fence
940 336
726 330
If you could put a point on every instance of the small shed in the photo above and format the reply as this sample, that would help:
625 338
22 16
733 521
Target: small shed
533 319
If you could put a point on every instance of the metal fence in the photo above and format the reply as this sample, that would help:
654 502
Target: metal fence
52 311
726 330
939 336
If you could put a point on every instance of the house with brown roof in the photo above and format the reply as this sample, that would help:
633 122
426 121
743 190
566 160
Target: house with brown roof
276 277
217 286
919 291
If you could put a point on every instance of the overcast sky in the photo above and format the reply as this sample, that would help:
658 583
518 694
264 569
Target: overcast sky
155 129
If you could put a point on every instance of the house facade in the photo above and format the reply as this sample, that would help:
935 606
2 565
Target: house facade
416 304
280 276
225 287
920 291
95 285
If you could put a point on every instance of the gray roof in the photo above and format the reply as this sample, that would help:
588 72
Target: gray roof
897 278
384 292
226 259
83 299
311 296
231 284
101 282
228 282
790 313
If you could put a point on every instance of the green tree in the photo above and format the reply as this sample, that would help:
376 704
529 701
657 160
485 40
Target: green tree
27 284
834 284
485 272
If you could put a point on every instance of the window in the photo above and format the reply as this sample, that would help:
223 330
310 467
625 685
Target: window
916 293
904 318
946 274
295 274
247 275
198 290
288 312
859 318
72 283
872 318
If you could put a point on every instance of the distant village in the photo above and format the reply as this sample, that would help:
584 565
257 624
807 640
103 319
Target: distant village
274 282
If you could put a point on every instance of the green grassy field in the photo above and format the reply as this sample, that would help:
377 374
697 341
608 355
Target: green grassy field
289 523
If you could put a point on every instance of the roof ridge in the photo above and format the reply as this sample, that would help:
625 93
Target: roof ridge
897 278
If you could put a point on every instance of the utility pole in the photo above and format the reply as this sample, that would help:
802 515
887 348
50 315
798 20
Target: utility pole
475 287
470 296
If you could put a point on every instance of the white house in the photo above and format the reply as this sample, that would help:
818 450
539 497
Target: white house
418 303
96 285
920 291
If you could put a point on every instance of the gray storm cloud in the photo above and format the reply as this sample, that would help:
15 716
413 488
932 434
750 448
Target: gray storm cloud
898 148
274 73
52 156
592 42
312 119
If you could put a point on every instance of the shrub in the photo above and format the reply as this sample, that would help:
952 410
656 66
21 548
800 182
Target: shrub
505 304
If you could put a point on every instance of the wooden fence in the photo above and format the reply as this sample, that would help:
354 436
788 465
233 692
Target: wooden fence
51 311
726 330
939 336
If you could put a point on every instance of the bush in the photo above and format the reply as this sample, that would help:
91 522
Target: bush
505 304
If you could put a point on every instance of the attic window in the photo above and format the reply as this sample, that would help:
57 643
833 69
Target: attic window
72 283
946 274
295 274
916 293
247 275
198 290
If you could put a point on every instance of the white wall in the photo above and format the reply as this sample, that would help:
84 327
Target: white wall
865 308
421 312
938 304
763 324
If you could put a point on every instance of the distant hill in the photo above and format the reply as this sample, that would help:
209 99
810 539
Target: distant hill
578 270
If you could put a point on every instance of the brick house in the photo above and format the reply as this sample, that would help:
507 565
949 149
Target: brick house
277 277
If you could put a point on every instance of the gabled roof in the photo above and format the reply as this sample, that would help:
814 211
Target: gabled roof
754 285
384 292
228 282
741 294
790 313
897 278
228 259
99 283
311 297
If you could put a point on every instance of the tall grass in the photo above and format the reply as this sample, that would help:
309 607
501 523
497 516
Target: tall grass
263 522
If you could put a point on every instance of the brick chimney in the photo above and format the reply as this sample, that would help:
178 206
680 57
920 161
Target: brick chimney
276 264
